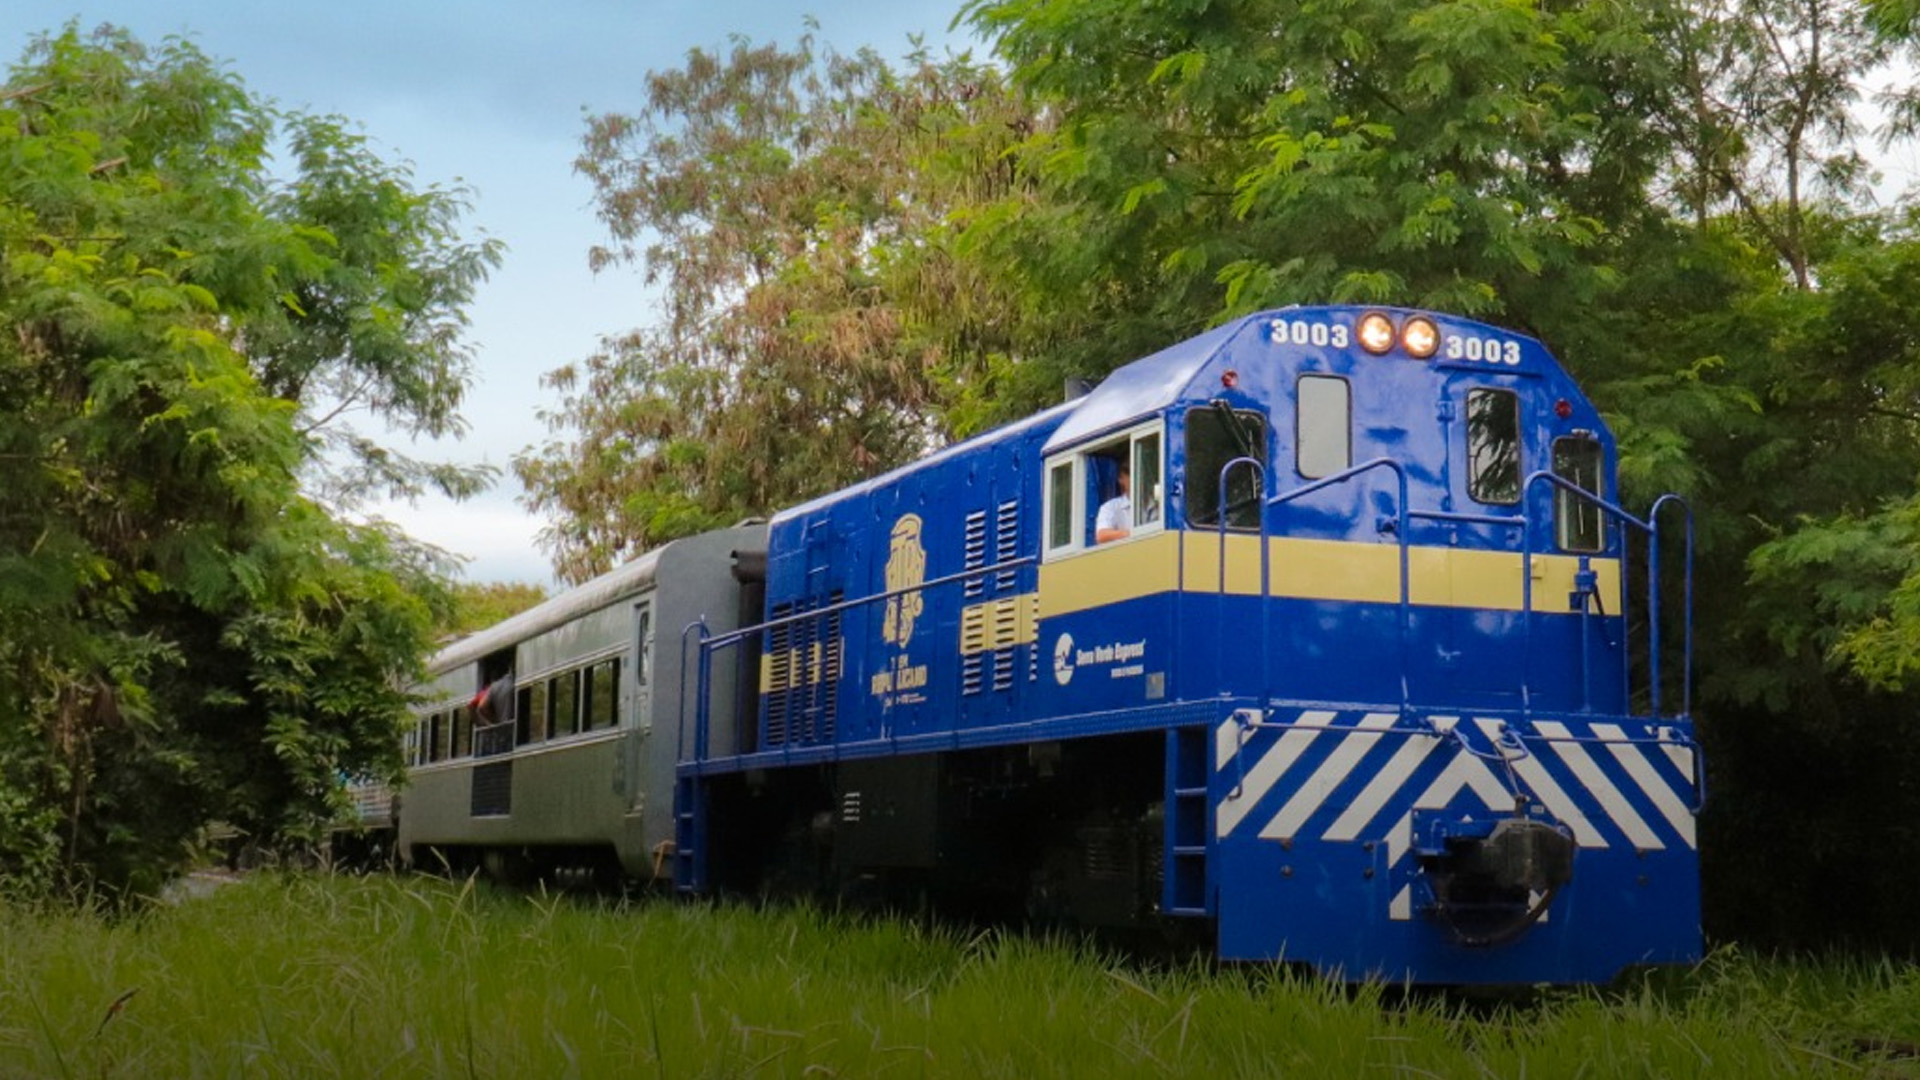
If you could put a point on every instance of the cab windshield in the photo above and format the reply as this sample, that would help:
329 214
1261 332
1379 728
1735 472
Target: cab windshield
1217 435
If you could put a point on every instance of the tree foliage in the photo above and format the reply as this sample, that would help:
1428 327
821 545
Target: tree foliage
791 203
476 606
184 634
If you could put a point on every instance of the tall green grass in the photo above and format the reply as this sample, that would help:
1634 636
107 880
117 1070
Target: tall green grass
318 976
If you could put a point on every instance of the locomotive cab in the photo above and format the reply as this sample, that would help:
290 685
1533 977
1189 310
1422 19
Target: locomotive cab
1273 466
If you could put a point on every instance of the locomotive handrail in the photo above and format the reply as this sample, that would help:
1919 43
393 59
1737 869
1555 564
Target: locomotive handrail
1653 590
1521 521
700 679
1401 514
1220 530
710 643
731 637
1651 527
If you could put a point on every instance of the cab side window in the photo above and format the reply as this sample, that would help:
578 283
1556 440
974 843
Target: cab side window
1146 480
1576 518
1107 492
1060 500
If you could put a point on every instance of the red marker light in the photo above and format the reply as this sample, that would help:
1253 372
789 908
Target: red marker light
1563 408
1229 378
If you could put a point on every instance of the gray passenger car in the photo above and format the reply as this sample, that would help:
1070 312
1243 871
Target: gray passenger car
573 763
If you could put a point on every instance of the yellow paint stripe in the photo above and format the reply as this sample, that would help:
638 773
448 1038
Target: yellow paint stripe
1111 572
1336 570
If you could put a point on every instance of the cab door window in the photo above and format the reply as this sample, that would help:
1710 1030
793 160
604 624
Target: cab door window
1323 426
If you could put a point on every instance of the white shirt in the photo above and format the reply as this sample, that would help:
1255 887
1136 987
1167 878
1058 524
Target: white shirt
1115 513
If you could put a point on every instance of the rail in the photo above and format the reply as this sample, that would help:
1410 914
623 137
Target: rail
709 643
1525 522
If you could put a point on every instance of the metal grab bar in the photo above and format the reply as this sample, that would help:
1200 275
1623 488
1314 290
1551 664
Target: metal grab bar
491 740
1523 521
710 643
1400 538
1220 530
1653 596
680 719
1651 528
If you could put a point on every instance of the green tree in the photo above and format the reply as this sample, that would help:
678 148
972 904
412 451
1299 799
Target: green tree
184 634
791 203
1215 158
476 606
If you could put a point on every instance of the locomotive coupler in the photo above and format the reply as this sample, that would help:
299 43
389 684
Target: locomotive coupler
1488 881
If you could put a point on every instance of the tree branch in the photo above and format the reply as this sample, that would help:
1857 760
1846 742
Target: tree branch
345 404
24 91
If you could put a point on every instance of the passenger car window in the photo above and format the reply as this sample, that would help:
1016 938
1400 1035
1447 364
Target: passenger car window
603 694
566 704
533 713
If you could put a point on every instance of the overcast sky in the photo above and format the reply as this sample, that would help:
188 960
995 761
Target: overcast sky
491 93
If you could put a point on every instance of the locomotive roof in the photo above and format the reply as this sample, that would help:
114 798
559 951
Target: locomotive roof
621 581
1147 385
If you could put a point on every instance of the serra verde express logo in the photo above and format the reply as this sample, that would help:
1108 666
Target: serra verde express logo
1063 660
1120 658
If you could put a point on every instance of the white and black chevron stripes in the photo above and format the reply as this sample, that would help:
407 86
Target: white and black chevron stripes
1556 767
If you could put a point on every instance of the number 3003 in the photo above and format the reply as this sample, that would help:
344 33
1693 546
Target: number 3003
1486 350
1301 332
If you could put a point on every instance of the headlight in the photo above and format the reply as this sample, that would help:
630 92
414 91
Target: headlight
1420 337
1376 333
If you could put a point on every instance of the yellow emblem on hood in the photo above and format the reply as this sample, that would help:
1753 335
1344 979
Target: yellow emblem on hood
906 569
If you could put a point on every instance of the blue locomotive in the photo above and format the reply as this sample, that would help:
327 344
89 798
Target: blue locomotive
1319 634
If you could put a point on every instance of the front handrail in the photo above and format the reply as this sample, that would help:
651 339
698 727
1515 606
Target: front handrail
1651 528
1653 594
1522 521
1400 537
